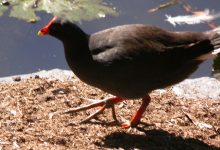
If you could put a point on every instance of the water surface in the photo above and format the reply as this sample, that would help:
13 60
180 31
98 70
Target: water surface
22 51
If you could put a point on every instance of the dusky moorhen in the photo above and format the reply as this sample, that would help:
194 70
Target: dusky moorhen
130 61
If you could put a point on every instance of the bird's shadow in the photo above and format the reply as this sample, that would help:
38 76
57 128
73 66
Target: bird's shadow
155 139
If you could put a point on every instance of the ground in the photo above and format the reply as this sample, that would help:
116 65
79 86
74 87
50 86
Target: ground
31 118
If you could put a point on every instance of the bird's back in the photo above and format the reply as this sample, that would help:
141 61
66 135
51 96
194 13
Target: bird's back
142 58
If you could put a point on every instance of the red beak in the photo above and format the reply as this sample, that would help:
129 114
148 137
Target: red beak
45 30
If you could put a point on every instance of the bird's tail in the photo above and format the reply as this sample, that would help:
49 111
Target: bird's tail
216 41
214 37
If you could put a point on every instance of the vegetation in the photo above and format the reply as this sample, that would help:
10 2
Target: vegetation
74 10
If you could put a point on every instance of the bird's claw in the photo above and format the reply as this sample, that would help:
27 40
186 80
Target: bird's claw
106 103
85 107
89 99
93 115
128 124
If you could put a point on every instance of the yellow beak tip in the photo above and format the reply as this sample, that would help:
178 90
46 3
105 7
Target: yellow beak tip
40 33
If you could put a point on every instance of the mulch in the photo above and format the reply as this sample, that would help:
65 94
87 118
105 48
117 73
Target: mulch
31 118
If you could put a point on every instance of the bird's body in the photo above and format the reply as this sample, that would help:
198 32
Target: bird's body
142 58
129 61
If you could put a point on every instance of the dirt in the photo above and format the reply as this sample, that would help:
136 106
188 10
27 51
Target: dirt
31 118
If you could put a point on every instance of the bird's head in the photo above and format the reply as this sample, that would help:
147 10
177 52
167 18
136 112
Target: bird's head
51 27
61 29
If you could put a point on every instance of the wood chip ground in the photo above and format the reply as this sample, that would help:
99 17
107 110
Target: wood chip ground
31 119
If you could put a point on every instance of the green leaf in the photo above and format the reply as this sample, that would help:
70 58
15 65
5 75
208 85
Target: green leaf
23 10
3 9
74 10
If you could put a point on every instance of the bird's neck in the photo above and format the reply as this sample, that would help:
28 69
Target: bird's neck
77 53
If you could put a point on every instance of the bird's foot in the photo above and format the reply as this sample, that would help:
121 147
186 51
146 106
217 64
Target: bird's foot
135 120
106 103
128 124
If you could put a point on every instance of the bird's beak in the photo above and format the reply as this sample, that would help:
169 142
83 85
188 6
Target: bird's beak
45 30
39 33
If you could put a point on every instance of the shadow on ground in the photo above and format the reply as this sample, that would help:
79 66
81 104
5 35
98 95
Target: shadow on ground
153 140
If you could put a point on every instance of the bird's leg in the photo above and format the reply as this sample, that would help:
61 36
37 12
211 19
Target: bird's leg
113 114
106 103
137 116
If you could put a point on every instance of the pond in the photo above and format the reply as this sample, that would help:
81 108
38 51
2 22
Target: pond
22 51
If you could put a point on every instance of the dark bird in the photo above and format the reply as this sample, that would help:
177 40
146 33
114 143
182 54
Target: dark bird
129 61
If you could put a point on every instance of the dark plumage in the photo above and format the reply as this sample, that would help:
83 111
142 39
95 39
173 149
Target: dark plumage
129 61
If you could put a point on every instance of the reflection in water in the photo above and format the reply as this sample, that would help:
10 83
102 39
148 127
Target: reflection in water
206 17
21 51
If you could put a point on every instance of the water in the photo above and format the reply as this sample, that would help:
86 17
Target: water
22 51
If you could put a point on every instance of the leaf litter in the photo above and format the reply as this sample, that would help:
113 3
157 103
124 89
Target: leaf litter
164 5
73 10
193 17
30 118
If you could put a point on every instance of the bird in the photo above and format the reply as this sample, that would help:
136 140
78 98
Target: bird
129 61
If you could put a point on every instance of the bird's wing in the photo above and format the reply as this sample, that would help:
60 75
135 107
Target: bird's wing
140 42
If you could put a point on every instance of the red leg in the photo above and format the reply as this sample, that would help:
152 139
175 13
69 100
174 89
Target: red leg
137 116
